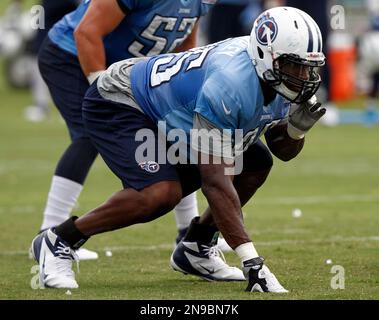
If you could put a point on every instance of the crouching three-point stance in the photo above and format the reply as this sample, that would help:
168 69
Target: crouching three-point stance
217 101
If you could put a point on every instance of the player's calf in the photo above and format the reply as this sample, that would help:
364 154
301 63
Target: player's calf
129 206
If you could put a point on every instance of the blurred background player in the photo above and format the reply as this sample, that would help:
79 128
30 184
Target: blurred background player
232 18
78 48
16 37
318 10
54 11
369 60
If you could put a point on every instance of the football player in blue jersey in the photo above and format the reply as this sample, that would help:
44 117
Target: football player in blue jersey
213 102
77 49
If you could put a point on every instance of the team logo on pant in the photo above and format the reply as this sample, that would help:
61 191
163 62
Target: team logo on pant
149 166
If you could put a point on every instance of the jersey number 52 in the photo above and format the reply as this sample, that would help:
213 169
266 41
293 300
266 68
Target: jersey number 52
150 33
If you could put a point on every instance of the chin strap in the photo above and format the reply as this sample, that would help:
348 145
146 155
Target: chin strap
287 93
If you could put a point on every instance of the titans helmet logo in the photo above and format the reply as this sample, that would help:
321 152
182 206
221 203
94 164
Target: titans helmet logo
266 28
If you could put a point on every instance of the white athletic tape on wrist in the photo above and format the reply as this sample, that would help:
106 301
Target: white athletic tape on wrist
294 132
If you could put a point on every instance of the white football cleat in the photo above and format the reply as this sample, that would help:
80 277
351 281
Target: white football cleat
82 253
260 278
85 254
204 261
221 243
55 258
35 114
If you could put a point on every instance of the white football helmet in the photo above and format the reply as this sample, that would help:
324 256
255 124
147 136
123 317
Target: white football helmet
286 50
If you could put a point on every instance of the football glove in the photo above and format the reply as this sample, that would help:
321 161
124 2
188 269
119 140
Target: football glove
303 116
260 278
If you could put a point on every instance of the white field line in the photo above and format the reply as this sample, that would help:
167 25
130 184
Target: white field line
257 243
274 200
318 199
20 209
170 246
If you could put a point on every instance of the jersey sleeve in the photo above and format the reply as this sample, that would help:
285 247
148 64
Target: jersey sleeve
216 104
207 5
126 5
215 120
129 5
281 108
211 140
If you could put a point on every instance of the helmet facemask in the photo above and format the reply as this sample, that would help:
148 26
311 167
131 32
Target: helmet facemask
286 49
295 78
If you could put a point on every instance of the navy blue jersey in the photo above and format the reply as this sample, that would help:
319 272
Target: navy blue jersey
150 27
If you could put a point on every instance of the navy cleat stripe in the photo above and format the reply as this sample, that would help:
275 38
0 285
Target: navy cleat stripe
36 246
183 263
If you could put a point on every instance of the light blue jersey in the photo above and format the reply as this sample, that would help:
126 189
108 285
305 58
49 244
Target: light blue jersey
217 82
150 27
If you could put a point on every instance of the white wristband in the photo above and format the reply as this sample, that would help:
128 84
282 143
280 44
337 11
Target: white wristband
246 251
93 76
295 133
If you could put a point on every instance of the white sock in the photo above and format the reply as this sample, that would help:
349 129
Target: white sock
185 211
40 91
246 251
61 200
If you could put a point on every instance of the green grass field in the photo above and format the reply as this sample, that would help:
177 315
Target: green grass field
335 182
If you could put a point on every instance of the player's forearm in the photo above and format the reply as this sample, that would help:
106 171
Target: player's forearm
91 52
100 19
226 212
281 144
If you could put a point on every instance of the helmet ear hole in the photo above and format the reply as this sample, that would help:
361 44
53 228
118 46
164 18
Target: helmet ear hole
260 53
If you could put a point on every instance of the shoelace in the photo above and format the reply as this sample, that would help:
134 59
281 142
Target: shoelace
214 252
66 255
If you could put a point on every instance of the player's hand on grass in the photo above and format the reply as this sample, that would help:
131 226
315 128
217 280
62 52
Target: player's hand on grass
260 278
303 116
